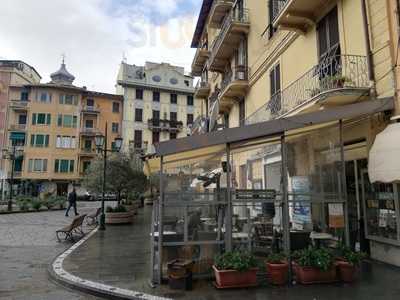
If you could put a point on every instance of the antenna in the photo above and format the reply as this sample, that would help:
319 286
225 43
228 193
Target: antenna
63 58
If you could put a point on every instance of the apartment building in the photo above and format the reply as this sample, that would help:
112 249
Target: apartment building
159 104
53 126
267 60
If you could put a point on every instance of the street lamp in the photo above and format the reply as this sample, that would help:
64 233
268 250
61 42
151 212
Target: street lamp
101 145
11 154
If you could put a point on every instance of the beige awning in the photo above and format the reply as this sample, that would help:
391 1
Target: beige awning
384 157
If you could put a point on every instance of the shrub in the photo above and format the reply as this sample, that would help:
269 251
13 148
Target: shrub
276 258
23 202
320 258
36 204
235 260
118 209
350 256
50 202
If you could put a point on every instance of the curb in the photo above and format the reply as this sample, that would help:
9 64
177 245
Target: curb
29 211
61 276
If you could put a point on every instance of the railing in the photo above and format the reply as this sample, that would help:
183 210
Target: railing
332 74
202 84
90 108
88 151
89 130
17 127
19 103
238 73
164 124
277 7
235 16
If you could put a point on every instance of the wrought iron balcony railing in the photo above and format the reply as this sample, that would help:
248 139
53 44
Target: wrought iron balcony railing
336 74
91 109
161 124
277 7
19 104
238 73
17 127
235 16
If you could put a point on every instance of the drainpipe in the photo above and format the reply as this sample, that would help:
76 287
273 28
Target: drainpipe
370 61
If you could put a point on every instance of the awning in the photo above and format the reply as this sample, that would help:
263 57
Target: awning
274 127
17 136
384 157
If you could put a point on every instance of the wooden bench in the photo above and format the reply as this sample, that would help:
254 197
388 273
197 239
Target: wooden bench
92 218
74 227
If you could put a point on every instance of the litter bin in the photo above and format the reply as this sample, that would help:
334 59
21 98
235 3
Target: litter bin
180 274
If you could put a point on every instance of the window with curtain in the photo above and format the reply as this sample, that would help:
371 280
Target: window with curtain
37 165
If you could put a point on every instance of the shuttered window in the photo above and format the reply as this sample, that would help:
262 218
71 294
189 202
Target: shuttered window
275 84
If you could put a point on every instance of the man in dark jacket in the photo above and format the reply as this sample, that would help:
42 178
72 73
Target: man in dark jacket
72 202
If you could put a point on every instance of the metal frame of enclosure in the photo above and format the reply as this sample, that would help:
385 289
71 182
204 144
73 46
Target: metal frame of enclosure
260 188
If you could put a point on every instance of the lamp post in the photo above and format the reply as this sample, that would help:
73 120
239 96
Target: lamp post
101 145
11 155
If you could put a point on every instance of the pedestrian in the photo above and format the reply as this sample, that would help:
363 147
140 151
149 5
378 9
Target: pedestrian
72 202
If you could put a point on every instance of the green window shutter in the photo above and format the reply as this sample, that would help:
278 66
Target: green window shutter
59 120
71 166
48 119
44 165
32 139
56 165
33 119
46 142
61 100
75 121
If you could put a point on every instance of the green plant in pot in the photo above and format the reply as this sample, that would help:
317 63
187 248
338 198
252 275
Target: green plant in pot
23 203
348 263
235 269
314 265
118 215
36 204
277 268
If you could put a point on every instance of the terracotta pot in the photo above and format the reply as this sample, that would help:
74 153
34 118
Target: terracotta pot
119 218
346 271
310 275
278 273
235 279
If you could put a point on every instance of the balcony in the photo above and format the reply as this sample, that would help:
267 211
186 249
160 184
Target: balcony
200 59
236 24
88 152
91 110
297 15
234 85
17 127
218 11
202 89
19 105
336 81
89 131
158 125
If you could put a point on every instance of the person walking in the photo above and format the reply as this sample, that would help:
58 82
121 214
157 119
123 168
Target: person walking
72 202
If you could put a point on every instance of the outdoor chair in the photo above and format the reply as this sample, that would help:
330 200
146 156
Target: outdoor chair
74 227
92 218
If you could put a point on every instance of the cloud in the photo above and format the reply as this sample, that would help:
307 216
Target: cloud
94 34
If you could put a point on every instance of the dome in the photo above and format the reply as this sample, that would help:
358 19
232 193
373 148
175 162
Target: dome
62 76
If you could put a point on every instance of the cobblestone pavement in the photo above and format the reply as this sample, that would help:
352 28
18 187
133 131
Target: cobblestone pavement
27 245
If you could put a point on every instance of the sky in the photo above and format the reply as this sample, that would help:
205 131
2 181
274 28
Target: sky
95 35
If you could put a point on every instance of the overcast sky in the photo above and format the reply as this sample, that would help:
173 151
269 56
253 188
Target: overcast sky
94 35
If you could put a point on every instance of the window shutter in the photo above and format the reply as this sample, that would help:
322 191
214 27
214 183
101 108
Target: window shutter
30 165
48 119
46 142
33 119
56 165
75 121
59 120
44 165
71 166
32 139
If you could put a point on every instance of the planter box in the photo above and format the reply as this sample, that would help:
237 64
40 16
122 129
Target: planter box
119 218
278 273
235 279
133 208
311 275
347 271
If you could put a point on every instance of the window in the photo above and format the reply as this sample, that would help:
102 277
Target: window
156 137
328 35
24 96
85 166
242 112
173 116
156 96
88 145
190 100
37 165
275 84
272 7
115 107
90 102
138 139
40 140
186 82
68 99
138 115
115 127
89 123
67 121
172 136
139 94
66 142
156 118
43 97
64 166
189 118
41 119
174 99
22 119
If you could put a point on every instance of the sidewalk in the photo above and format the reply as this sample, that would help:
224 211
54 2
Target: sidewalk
120 257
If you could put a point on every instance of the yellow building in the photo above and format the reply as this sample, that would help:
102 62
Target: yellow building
53 125
271 59
158 104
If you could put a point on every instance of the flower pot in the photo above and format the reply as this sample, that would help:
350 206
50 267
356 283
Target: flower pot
278 273
132 208
235 279
310 275
119 217
346 271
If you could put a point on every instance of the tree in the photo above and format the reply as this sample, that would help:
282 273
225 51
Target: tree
123 174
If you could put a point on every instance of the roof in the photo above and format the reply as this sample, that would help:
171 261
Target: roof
55 86
201 22
62 75
273 128
22 62
105 95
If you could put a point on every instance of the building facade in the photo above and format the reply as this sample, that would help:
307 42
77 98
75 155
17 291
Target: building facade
52 126
265 60
158 104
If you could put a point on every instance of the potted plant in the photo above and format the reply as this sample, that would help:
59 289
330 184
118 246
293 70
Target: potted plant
348 262
314 265
235 269
277 268
118 215
23 202
36 204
